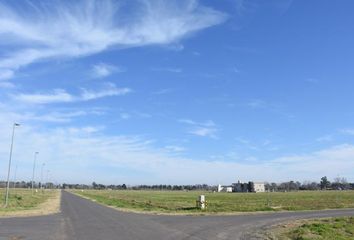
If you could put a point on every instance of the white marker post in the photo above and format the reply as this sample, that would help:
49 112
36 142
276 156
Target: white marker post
201 202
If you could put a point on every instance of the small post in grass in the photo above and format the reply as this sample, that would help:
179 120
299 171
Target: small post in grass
201 202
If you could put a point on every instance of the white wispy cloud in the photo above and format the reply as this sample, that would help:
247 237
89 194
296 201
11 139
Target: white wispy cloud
257 103
174 148
128 114
202 129
57 116
104 70
208 123
40 31
204 132
168 69
6 84
277 108
162 91
348 131
62 96
56 96
89 153
125 116
6 74
325 138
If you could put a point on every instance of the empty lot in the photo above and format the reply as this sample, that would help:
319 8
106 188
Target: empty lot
184 202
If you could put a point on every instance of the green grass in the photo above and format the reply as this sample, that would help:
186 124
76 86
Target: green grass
22 199
184 202
334 228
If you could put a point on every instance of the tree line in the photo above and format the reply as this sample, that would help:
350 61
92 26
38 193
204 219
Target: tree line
323 184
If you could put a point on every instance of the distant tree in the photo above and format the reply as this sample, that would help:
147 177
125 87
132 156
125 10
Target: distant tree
340 184
310 186
274 187
324 183
292 186
250 187
124 186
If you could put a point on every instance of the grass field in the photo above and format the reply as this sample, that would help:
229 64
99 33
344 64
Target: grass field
22 199
333 228
184 202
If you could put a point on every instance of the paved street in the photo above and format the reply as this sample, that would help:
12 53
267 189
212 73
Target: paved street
85 220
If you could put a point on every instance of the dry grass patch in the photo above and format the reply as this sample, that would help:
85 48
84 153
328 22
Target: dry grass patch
22 203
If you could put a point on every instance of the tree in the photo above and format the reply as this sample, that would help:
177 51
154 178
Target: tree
324 183
340 184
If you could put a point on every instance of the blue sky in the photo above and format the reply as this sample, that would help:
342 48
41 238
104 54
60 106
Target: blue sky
178 92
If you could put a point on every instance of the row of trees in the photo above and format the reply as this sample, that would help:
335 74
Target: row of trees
23 184
324 184
161 187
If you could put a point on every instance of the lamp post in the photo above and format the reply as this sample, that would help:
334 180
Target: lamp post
9 168
43 164
15 179
34 167
46 180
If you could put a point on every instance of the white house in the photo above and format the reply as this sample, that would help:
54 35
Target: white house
225 188
243 187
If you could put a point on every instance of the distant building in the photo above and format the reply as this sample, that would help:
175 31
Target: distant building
243 187
248 187
258 187
225 188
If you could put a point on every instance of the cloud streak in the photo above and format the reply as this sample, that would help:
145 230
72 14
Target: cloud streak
39 31
62 96
201 129
95 156
102 70
88 151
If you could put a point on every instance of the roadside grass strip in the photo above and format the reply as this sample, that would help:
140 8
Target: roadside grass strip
22 202
185 202
331 228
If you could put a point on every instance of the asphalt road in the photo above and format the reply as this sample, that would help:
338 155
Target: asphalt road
85 220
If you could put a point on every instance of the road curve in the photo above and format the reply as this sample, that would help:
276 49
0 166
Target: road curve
85 220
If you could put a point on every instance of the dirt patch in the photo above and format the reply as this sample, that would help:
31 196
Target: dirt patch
51 206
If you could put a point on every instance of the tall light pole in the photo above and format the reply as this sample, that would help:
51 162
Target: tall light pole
34 167
15 177
9 168
43 164
46 180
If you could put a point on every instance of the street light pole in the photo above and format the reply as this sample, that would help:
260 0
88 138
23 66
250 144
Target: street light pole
34 167
9 168
46 180
43 164
15 177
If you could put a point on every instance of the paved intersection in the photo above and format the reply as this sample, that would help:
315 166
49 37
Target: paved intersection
85 220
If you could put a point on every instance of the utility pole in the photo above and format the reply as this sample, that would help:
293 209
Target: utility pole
34 167
43 164
15 176
46 179
9 168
